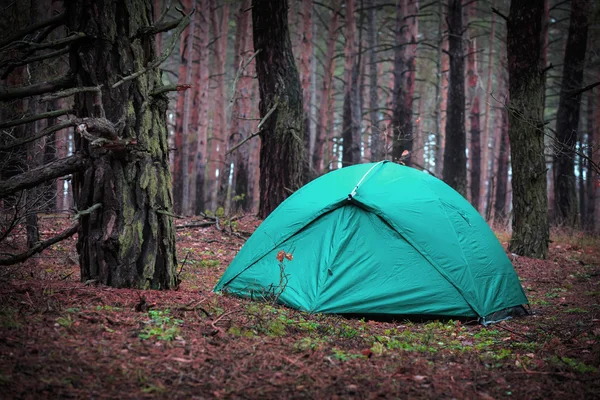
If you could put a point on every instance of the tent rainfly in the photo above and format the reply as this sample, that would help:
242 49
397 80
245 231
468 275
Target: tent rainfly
378 239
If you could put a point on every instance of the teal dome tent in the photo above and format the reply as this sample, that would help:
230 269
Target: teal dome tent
378 238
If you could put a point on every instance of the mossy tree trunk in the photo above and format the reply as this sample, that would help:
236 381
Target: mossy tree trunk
130 240
281 152
526 130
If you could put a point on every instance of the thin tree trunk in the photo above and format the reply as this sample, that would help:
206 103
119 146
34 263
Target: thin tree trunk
500 205
306 57
350 119
130 240
324 125
376 142
202 80
567 118
592 174
441 92
179 170
404 78
474 118
455 160
218 172
530 204
485 188
281 152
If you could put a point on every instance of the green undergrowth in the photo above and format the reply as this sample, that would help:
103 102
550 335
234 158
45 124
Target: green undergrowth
160 326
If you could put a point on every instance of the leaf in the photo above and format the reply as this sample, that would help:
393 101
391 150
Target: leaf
405 153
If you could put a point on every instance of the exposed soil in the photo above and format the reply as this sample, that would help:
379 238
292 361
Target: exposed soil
63 338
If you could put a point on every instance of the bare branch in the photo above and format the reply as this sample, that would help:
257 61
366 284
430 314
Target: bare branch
239 73
498 13
32 28
87 211
70 92
55 44
40 246
577 92
30 118
12 64
45 173
64 82
158 27
171 88
45 132
258 130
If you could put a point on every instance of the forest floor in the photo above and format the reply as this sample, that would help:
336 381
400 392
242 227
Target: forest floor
62 338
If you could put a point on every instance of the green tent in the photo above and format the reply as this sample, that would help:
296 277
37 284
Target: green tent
378 238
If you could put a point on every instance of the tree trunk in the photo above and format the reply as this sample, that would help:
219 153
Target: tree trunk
218 172
475 148
592 174
500 206
306 58
130 240
240 128
202 105
281 152
530 205
179 171
350 118
485 190
567 118
441 92
376 142
455 159
404 79
324 125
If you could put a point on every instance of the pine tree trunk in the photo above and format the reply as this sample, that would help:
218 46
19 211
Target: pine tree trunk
218 182
324 125
202 105
281 152
530 205
567 119
306 57
592 174
375 129
500 206
485 190
441 92
475 149
404 79
455 159
350 117
179 173
130 240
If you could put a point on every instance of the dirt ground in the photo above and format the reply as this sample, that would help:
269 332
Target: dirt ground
61 338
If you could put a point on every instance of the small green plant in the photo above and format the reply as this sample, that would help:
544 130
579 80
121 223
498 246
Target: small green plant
161 326
108 308
573 364
65 322
308 343
575 310
343 356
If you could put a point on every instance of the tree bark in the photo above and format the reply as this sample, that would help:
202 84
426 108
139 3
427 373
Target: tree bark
441 92
404 78
475 149
306 58
455 159
324 125
351 117
281 152
375 129
500 203
485 190
530 205
218 182
179 173
567 118
130 240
